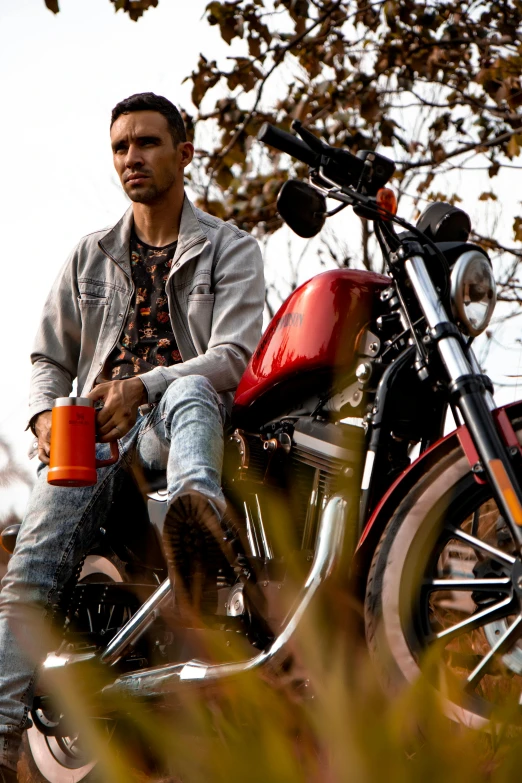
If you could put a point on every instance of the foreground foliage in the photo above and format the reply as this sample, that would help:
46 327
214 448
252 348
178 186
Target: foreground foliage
270 728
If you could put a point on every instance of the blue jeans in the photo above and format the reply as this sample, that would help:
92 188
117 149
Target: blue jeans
184 434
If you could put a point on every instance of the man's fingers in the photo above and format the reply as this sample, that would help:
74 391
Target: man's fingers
119 409
43 453
103 417
106 428
114 432
114 428
111 436
120 419
99 391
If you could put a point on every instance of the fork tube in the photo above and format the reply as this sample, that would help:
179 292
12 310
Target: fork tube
472 399
476 368
450 349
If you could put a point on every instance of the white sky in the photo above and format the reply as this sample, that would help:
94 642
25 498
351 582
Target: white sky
61 76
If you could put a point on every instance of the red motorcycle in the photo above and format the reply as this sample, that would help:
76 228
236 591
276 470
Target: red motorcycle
354 371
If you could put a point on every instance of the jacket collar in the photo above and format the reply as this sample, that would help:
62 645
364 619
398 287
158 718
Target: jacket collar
190 232
116 242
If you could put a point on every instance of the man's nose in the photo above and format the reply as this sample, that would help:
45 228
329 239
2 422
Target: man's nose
134 157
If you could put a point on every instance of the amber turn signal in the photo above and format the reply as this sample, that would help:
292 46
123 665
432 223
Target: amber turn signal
386 200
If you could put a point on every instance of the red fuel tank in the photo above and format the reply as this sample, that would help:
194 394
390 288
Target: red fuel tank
309 343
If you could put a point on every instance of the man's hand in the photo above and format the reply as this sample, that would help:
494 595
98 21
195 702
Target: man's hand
42 427
121 402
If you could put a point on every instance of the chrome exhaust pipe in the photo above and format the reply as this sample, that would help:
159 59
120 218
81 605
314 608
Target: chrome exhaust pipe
162 680
137 625
126 636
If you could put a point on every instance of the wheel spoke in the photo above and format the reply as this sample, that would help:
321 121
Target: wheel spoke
494 612
476 543
475 522
502 584
507 640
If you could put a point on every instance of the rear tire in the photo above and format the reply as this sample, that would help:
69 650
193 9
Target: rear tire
54 760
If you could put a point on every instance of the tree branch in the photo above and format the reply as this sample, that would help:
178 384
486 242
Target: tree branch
278 58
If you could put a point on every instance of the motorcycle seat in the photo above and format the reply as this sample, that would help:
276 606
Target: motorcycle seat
154 480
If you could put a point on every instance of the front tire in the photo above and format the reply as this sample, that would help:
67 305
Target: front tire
446 576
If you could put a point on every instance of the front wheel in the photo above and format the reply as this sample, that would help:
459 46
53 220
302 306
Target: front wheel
446 577
48 757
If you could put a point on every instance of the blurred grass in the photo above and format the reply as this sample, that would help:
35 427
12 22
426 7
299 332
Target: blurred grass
267 728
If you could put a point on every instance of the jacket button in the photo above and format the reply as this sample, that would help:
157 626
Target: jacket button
176 265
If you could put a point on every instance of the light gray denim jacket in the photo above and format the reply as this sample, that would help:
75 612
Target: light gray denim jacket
215 292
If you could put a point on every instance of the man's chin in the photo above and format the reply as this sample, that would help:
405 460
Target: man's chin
142 195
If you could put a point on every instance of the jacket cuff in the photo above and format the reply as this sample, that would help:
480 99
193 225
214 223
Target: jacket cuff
155 384
34 416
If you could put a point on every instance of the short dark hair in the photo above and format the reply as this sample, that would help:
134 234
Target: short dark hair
148 101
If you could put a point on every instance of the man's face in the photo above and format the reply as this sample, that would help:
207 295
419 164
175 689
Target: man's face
147 162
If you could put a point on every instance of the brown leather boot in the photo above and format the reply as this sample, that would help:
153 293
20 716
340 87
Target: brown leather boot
199 553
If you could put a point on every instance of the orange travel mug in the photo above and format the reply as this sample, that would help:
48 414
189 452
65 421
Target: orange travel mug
73 460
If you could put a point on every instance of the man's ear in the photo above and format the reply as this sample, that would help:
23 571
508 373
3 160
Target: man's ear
187 152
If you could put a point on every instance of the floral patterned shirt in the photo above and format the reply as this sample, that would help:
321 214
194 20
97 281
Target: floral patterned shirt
147 339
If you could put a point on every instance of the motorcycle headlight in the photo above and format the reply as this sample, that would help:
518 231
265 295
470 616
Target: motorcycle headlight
473 292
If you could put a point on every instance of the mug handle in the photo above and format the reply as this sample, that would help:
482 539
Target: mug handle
115 455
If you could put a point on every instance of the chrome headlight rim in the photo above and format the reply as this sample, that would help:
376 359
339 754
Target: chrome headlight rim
457 281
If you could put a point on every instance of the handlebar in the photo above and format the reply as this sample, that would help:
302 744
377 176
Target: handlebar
287 142
367 169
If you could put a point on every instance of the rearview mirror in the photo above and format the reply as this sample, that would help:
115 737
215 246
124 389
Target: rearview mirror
302 208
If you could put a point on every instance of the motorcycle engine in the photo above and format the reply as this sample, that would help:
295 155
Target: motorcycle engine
291 469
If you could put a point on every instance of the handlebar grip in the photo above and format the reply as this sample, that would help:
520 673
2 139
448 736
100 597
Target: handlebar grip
286 142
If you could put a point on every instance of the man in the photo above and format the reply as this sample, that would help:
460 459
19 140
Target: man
162 310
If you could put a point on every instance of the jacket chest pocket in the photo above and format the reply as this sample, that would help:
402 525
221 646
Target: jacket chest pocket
93 311
92 301
200 289
200 298
93 293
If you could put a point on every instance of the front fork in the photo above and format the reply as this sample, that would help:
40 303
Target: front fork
474 401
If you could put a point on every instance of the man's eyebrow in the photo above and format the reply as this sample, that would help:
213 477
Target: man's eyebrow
118 143
148 138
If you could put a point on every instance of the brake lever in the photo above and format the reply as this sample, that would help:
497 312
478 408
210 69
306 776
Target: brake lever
347 195
308 137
